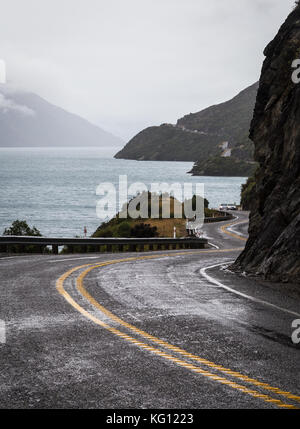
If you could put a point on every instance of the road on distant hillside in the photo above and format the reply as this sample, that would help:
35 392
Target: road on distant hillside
168 329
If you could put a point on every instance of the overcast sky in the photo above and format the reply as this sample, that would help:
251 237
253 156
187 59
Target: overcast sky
128 64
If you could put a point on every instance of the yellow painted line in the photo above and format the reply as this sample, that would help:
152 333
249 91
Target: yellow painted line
60 283
232 234
222 380
176 349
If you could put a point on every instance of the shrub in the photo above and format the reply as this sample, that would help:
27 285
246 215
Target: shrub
143 230
20 227
248 193
124 230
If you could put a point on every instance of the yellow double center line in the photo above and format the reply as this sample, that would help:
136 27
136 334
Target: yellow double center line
232 234
164 344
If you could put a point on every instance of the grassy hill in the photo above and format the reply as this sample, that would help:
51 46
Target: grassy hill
128 227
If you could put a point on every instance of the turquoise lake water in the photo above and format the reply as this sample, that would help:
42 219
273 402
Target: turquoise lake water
55 189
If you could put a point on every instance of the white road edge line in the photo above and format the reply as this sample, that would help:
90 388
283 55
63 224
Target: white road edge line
4 258
214 245
231 229
74 259
249 297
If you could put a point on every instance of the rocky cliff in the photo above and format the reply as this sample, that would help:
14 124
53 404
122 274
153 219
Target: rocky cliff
273 248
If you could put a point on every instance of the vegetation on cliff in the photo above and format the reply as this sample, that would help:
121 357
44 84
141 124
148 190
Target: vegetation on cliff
248 193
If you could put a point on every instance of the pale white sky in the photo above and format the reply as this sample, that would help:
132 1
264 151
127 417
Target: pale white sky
128 64
2 72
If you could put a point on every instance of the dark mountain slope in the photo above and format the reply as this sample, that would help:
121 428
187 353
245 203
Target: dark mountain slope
199 136
168 143
230 120
28 120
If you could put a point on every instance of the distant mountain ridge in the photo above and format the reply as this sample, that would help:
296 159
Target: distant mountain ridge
27 120
218 131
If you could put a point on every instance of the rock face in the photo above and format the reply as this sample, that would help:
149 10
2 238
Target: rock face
273 248
201 136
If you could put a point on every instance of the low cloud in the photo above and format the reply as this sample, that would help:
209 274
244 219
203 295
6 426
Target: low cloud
126 65
7 105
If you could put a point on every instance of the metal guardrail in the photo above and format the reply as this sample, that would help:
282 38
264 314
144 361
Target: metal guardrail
225 217
193 228
110 244
121 244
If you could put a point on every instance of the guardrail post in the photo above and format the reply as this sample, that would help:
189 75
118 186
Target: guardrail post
55 249
109 248
4 248
151 248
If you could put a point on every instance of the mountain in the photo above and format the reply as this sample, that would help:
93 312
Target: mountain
218 131
167 143
28 120
273 247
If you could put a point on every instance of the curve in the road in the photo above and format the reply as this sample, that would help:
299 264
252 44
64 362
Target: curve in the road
161 353
243 295
226 230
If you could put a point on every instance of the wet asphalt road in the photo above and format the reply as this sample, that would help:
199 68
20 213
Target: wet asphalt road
63 350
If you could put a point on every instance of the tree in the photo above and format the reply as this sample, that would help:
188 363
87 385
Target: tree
20 227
